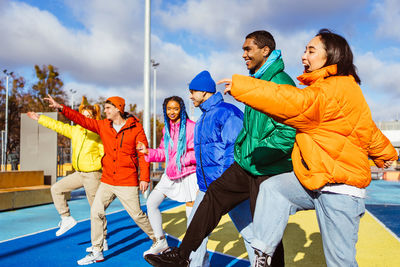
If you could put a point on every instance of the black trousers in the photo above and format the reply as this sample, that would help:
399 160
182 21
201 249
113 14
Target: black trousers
233 187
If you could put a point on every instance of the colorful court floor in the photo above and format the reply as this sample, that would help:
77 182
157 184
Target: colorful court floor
27 236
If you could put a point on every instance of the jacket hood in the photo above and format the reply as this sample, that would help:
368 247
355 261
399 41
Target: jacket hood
309 78
211 102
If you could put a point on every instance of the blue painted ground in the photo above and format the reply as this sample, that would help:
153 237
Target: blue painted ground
27 237
383 201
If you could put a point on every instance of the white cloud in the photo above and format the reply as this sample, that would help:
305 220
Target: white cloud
230 20
105 55
388 18
380 76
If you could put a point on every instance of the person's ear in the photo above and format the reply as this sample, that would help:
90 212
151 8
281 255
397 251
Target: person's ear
266 51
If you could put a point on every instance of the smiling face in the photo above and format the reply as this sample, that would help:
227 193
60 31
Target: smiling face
197 97
173 111
254 56
112 113
87 114
315 55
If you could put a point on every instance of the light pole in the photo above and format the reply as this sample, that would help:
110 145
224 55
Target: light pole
73 92
4 152
146 70
146 76
154 65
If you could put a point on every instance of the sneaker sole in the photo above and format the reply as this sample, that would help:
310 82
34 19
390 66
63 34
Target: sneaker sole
89 249
91 262
66 229
160 252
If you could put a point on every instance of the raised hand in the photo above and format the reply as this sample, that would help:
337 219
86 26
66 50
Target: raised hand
52 102
33 115
140 147
228 85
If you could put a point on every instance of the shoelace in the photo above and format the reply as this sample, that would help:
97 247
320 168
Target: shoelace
171 254
156 243
261 259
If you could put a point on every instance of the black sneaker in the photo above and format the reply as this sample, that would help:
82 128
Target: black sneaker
171 258
261 259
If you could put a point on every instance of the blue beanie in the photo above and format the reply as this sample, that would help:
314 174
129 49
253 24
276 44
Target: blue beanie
203 82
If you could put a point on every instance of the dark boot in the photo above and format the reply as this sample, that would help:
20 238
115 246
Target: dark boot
170 258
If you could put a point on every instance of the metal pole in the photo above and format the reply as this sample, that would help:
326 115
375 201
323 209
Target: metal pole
146 76
6 127
2 150
72 123
146 70
154 65
154 108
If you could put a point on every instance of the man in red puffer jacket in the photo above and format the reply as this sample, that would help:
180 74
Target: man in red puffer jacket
120 133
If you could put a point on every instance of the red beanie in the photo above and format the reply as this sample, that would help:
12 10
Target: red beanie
118 102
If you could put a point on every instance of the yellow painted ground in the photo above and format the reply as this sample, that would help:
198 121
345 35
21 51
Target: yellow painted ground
302 240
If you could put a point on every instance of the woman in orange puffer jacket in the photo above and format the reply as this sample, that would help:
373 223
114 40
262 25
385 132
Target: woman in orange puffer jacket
335 136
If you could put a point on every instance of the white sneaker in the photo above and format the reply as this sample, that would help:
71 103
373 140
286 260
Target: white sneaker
65 224
92 257
159 246
105 246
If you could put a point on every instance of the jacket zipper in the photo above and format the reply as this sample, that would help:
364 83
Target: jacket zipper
122 138
80 150
201 162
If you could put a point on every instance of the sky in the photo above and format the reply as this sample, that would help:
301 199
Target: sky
98 45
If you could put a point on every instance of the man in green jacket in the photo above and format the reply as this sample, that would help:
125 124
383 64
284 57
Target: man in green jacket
262 149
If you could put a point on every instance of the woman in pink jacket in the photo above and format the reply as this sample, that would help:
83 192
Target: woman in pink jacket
179 180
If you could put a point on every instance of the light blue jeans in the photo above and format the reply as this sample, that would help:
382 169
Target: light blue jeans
241 218
338 217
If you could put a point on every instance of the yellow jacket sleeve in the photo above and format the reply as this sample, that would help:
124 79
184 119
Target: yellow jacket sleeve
57 126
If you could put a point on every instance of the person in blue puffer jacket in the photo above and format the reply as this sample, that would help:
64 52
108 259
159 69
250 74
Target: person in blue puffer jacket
215 131
215 134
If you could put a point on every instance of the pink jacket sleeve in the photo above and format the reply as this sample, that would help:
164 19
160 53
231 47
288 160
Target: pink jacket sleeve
158 154
190 158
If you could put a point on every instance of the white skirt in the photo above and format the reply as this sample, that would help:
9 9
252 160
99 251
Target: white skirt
183 189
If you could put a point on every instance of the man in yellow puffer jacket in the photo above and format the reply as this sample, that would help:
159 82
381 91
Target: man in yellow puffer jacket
86 160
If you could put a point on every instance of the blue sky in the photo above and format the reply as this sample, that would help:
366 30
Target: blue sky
98 44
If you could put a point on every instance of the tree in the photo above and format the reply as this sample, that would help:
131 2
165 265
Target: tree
22 100
49 83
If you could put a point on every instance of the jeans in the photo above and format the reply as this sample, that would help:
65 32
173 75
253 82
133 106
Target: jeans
241 218
338 217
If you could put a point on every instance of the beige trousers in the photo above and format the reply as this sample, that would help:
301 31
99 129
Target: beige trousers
89 180
129 197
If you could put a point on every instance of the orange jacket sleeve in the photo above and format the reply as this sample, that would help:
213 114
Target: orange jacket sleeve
144 166
299 108
381 149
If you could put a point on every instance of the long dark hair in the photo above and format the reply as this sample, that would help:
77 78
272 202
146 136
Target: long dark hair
338 52
181 147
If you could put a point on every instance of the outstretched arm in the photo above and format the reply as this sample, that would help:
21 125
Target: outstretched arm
33 115
299 108
90 124
55 125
